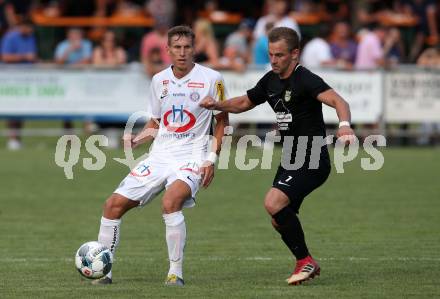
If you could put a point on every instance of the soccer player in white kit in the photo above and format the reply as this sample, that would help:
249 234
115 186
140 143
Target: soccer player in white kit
180 159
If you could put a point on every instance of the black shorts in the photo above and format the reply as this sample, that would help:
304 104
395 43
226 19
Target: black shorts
297 184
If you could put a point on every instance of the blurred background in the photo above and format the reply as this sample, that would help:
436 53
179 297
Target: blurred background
83 66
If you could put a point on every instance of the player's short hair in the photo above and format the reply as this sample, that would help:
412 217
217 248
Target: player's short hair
180 31
289 35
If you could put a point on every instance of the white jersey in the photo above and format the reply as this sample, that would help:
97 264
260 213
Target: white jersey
184 126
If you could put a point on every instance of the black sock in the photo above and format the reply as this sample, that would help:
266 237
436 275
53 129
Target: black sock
291 232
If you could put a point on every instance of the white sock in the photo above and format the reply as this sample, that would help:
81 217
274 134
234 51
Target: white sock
109 235
176 238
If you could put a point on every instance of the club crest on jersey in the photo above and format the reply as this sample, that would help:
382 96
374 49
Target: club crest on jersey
165 89
178 120
194 96
288 95
220 90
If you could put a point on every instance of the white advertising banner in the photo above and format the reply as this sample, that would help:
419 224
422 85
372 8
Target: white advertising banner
362 91
412 97
72 92
408 97
237 84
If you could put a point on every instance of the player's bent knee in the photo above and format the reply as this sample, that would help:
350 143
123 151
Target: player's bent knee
175 196
275 201
171 206
116 206
270 205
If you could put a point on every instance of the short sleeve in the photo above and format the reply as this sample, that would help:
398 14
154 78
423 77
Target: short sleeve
153 102
257 95
220 92
313 84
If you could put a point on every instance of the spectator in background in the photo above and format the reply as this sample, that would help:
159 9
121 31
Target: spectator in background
261 47
278 14
393 48
343 48
240 40
108 53
426 12
7 16
430 58
154 53
18 46
75 50
205 47
317 52
370 54
231 60
162 10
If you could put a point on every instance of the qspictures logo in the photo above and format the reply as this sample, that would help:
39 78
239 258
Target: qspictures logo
68 149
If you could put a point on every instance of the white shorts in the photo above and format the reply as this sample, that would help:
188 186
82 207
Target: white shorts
151 176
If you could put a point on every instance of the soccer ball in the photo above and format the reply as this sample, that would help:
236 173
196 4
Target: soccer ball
93 260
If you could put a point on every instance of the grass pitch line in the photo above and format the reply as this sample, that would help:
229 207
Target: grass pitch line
220 258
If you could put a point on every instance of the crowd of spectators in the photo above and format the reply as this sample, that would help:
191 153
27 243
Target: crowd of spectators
349 35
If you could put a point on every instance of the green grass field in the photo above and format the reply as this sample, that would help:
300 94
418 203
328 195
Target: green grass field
376 234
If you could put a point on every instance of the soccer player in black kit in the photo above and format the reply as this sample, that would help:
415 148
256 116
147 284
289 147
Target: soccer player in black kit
296 96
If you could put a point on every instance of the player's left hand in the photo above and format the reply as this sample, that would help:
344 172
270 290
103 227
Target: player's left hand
346 134
207 173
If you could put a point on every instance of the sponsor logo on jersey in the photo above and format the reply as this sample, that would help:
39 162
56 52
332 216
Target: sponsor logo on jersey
179 94
196 85
165 89
178 120
141 171
220 90
283 117
194 96
283 120
164 93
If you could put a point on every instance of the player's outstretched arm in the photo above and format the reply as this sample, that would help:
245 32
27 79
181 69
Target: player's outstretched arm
333 99
234 105
147 134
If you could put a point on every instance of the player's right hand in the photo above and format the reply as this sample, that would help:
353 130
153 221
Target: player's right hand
208 103
346 135
128 140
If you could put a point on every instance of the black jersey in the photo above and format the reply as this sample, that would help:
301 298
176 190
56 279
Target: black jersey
294 100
